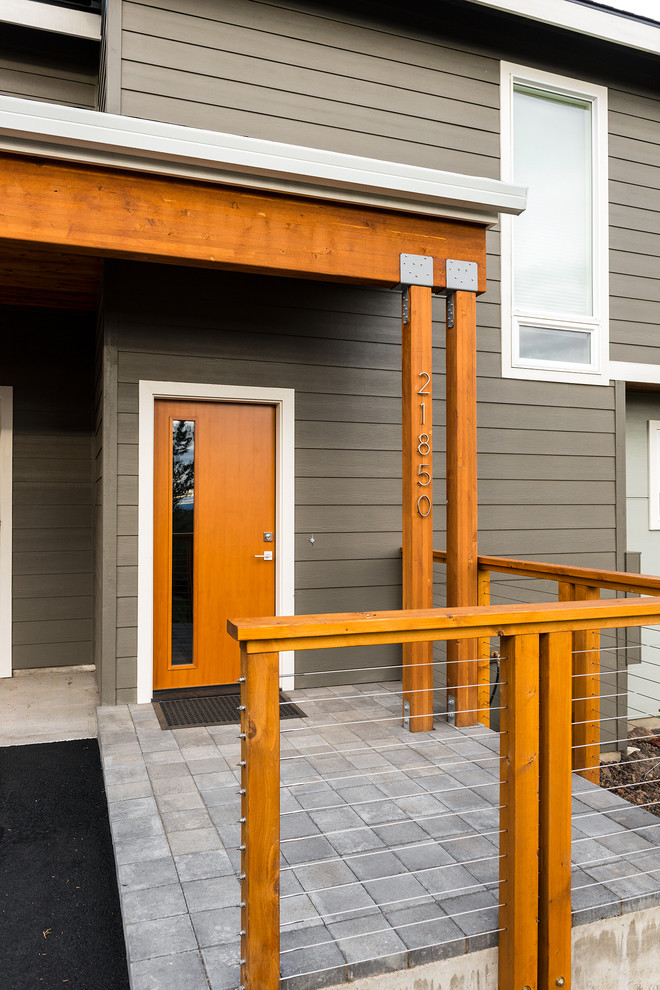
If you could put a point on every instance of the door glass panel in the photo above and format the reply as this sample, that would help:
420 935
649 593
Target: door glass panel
183 530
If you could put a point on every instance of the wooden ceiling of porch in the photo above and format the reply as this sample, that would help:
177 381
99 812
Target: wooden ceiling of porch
42 276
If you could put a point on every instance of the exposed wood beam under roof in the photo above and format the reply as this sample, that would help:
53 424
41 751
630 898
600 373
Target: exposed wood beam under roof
120 214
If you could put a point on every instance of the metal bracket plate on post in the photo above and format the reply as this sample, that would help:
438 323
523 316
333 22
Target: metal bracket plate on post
450 310
415 269
451 709
462 276
406 714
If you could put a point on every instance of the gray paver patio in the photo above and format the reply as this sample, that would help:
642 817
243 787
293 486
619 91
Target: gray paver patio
389 843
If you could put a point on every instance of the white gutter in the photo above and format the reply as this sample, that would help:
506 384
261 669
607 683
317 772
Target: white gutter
54 131
616 28
47 17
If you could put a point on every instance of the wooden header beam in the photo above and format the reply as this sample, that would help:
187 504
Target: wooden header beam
145 217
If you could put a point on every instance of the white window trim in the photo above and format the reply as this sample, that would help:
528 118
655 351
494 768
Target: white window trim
47 17
6 454
654 474
598 325
284 402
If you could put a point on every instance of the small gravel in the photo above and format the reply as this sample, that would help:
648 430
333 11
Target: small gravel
637 777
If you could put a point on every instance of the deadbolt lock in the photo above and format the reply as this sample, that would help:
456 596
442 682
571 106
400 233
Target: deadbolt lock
268 537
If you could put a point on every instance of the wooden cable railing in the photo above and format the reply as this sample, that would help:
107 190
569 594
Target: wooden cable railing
535 787
573 584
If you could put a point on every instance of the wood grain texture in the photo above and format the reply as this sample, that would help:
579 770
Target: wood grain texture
483 653
555 811
586 694
322 631
148 218
234 492
519 797
260 821
462 498
36 276
417 475
641 584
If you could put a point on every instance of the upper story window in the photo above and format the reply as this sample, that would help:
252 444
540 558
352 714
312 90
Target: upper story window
554 256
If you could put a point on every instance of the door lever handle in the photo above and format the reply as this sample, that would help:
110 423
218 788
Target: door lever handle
267 555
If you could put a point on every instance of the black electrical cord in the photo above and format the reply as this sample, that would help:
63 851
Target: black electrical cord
496 657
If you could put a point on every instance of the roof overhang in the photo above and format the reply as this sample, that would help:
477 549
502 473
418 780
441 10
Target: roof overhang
605 25
88 136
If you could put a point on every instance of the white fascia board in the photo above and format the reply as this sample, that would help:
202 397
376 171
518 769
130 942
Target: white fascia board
29 127
616 28
629 371
47 17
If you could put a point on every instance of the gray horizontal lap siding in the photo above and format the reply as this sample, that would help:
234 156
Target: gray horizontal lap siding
634 227
546 451
324 341
51 68
339 348
292 75
47 360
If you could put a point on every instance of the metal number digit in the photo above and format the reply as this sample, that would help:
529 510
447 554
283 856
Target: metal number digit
423 441
423 405
428 506
420 472
422 390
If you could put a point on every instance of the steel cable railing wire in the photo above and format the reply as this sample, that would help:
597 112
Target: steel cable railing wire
363 772
384 797
395 876
461 938
367 854
456 914
381 825
367 697
331 671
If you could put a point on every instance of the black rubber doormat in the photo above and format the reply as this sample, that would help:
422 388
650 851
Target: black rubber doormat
219 709
59 907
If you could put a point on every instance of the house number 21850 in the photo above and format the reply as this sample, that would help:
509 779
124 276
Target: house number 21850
424 450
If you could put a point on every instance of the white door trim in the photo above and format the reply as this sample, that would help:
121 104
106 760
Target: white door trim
283 400
6 475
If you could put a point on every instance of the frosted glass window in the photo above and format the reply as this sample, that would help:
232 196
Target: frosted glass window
552 241
550 344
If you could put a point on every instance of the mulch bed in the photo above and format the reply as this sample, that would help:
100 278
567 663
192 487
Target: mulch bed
60 920
639 769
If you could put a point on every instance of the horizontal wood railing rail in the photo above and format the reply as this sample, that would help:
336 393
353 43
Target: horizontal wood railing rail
319 632
573 584
641 584
535 788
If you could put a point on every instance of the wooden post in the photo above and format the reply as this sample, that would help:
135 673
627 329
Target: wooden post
462 498
586 687
586 695
416 366
555 812
519 800
483 652
260 821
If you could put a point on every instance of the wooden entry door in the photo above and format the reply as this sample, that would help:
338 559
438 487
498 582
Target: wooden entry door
214 506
